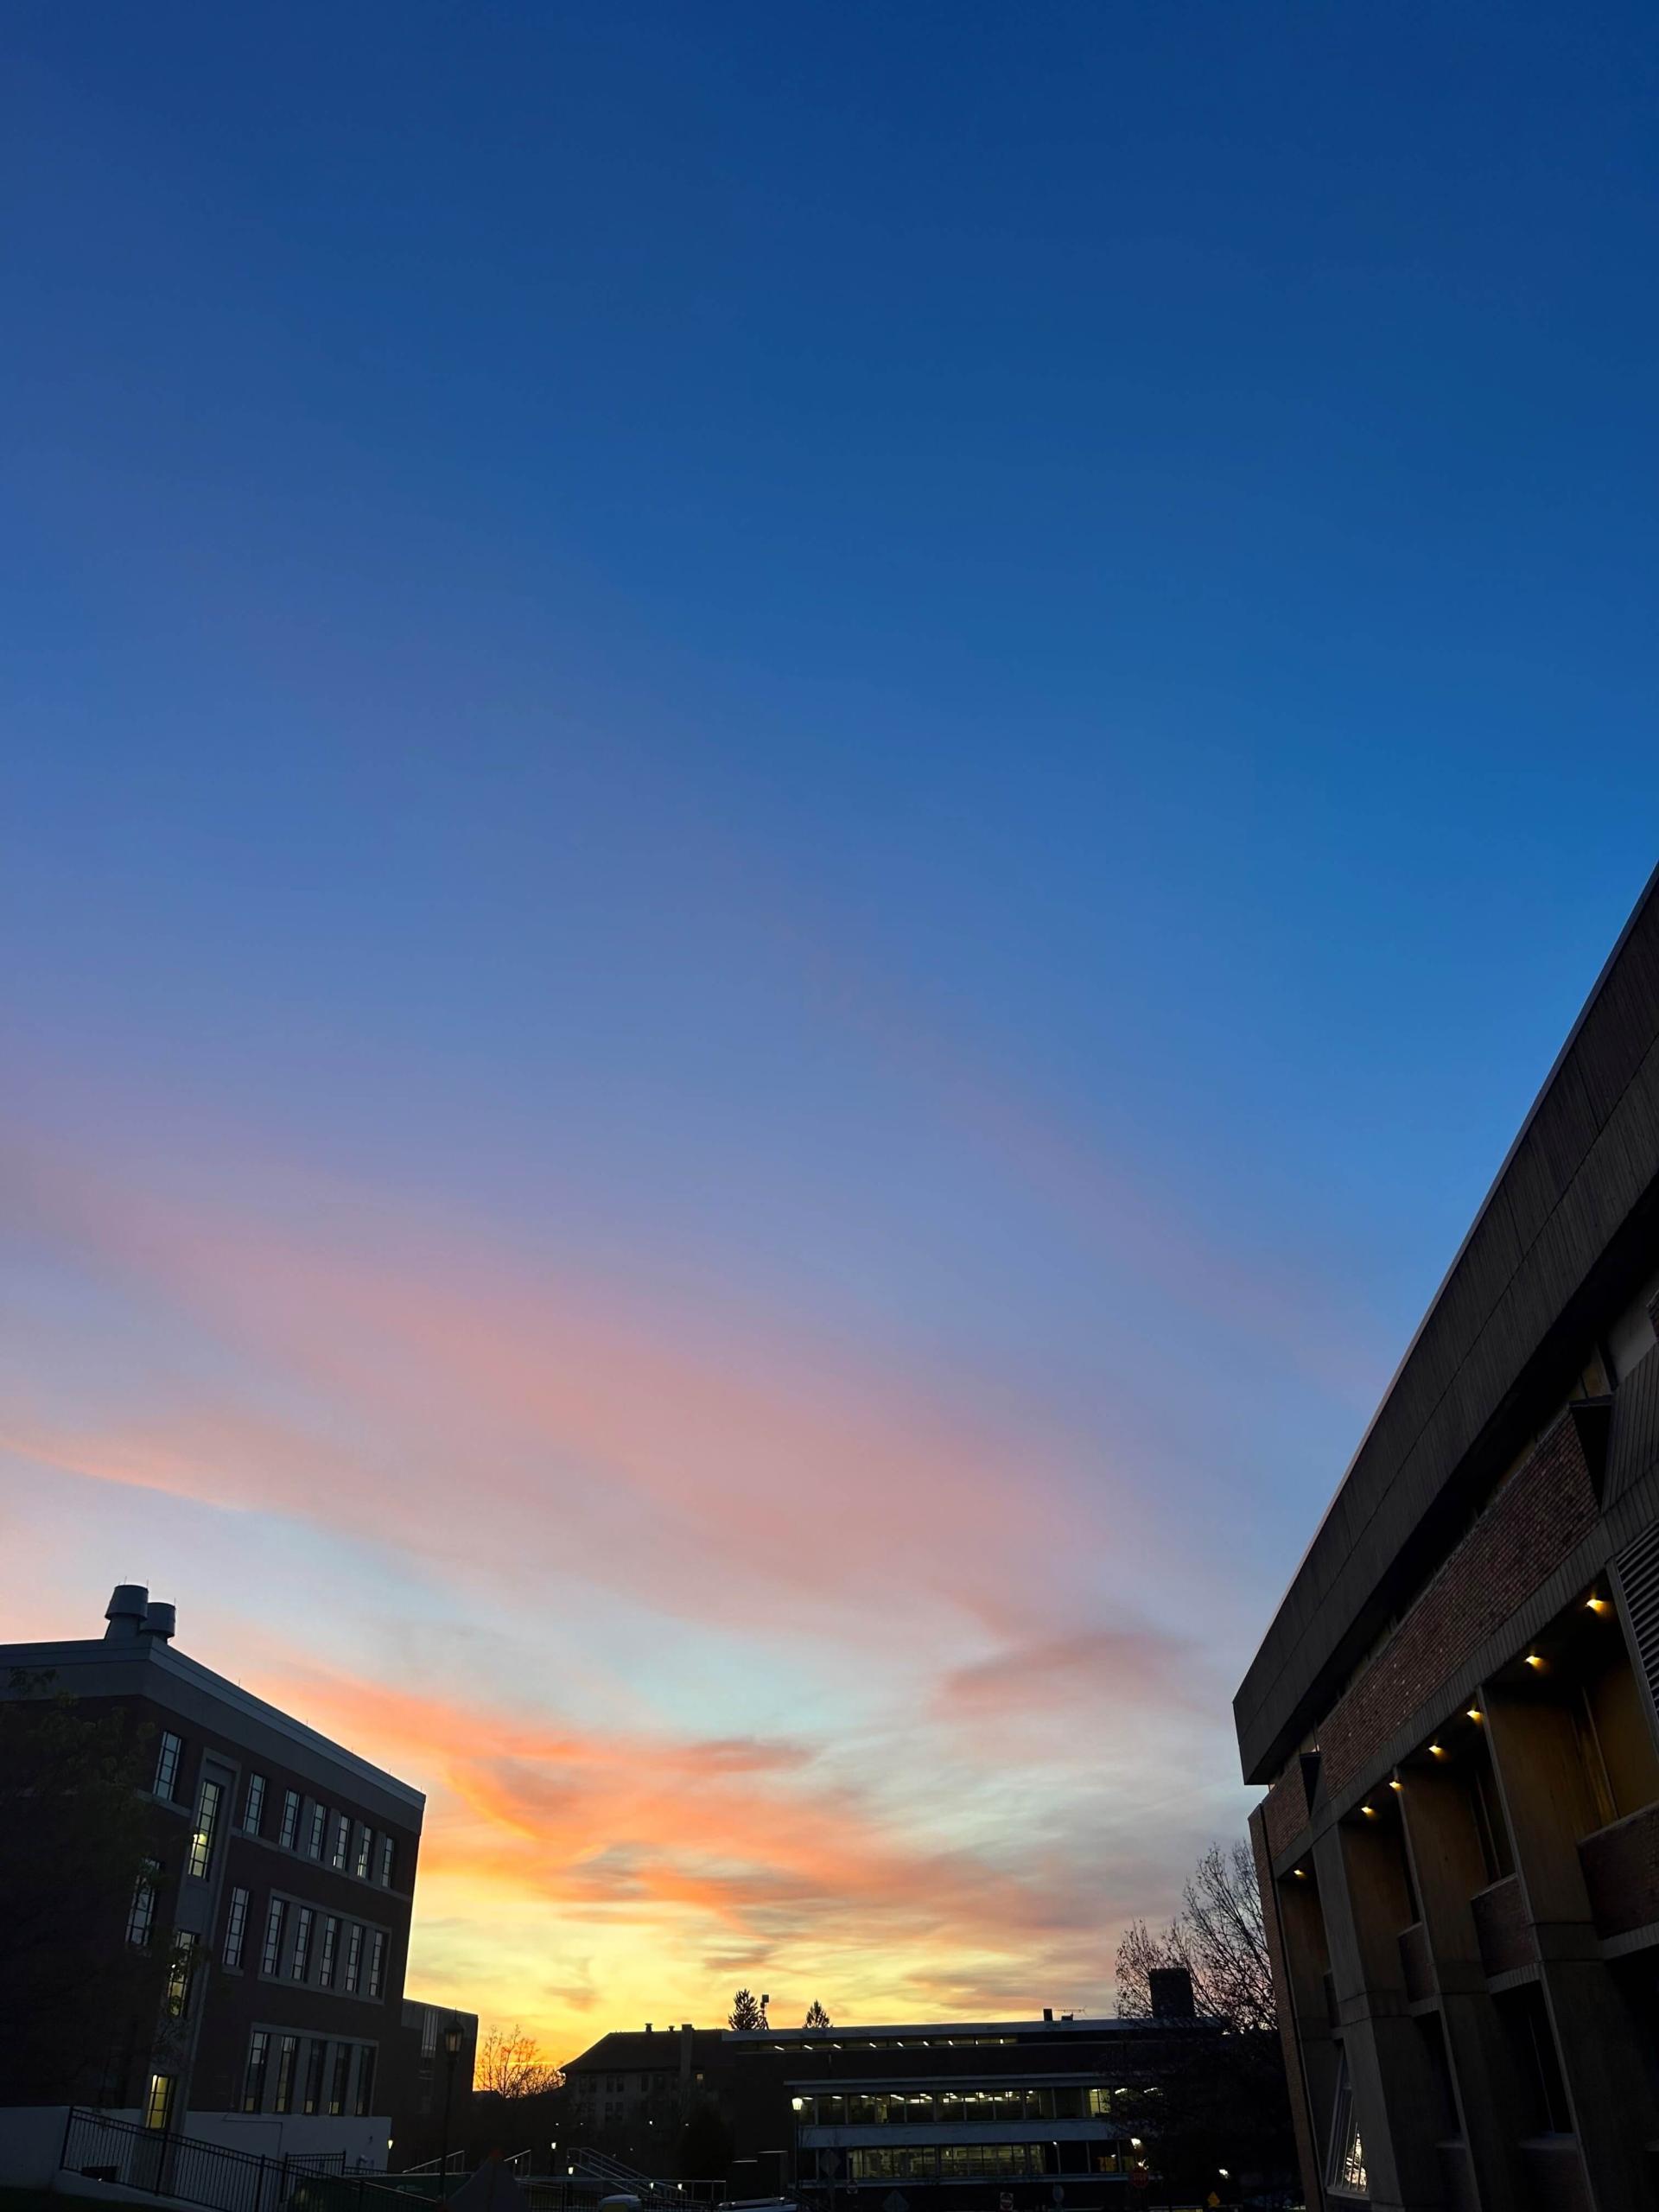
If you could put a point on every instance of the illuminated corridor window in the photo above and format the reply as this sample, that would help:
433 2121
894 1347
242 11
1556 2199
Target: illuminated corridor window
253 2086
1345 2168
202 1843
167 1764
254 1804
158 2101
236 1927
301 1943
178 1974
276 1913
364 1845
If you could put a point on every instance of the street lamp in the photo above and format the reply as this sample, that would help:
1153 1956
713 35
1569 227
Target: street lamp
451 2040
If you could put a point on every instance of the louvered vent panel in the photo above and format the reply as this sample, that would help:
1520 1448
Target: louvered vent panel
1638 1581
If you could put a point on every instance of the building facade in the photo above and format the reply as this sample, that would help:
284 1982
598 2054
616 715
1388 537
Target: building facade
277 1893
962 2113
1454 1709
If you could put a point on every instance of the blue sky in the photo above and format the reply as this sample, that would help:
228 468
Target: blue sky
795 799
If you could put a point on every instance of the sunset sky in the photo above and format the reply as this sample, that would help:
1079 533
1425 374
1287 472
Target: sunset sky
795 799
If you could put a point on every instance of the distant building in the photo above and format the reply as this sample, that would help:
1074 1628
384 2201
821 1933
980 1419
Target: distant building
947 2112
279 1889
430 2090
1454 1708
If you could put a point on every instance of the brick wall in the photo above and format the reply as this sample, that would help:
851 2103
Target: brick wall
1502 1928
1621 1871
1534 1520
1284 1810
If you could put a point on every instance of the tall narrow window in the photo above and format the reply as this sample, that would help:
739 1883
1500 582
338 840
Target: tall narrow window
1344 2170
342 1841
201 1842
254 2084
342 2075
377 1961
180 1967
1526 2019
301 1943
289 1835
275 1916
365 2081
354 1957
288 2052
326 1963
315 2066
253 1805
236 1927
364 1845
141 1913
319 1824
168 1761
158 2101
387 1849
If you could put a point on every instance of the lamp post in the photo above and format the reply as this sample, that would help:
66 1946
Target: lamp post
451 2053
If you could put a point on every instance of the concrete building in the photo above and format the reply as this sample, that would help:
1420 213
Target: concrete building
276 1896
963 2113
1454 1707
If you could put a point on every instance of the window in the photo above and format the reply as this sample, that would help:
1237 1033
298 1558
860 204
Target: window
253 1805
318 1823
168 1761
364 1845
1526 2022
365 2081
141 1913
325 1965
253 2085
289 1835
158 2101
342 1841
236 1927
315 2067
202 1843
179 1969
1345 2170
1491 1830
288 2052
387 1848
377 1961
301 1943
353 1958
275 1915
342 2075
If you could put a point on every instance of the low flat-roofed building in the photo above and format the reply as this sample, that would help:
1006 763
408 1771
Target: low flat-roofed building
1454 1711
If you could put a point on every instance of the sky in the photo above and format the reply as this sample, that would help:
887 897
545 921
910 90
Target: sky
793 802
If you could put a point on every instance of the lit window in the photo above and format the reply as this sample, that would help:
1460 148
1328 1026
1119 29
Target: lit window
254 1804
236 1927
141 1913
158 2101
290 1819
1345 2164
318 1823
178 1974
364 2081
342 1841
364 1845
387 1848
288 2052
377 1961
253 2087
353 1958
301 1943
168 1761
326 1964
201 1842
275 1915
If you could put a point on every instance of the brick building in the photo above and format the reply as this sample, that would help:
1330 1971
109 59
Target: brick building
1454 1707
278 1896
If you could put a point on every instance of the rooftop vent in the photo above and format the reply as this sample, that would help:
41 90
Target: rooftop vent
1171 1991
129 1602
160 1621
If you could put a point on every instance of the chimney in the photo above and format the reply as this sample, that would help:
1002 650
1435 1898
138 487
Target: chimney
1171 1991
647 2027
1048 2014
125 1613
159 1621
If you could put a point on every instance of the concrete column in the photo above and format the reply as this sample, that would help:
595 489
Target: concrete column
1548 1797
1362 1891
1447 1868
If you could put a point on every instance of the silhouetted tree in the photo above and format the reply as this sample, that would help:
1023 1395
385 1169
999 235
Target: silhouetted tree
746 2011
816 2016
510 2065
1218 1937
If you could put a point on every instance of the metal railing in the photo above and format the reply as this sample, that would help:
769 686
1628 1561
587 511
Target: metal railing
210 2174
